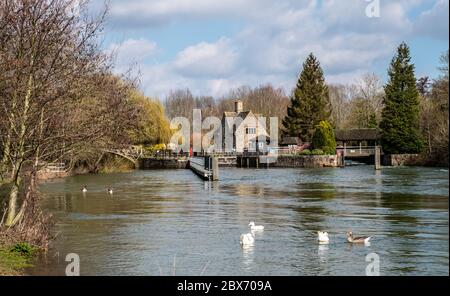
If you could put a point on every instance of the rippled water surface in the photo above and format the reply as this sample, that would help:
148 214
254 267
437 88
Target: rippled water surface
171 222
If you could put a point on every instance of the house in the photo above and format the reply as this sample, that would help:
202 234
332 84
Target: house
243 131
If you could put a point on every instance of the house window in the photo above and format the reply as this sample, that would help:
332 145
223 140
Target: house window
251 131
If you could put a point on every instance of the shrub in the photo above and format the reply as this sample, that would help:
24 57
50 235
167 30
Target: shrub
317 152
324 138
155 148
23 249
305 152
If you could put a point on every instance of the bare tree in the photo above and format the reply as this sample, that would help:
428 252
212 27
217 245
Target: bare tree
49 59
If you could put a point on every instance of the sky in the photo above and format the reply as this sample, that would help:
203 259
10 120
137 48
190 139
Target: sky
212 46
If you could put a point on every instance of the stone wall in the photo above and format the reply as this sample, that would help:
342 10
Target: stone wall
48 175
157 163
403 160
307 161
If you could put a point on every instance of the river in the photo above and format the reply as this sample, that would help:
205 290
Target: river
170 222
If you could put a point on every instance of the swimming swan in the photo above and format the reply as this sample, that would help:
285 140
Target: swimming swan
253 227
110 191
247 239
357 240
84 190
323 237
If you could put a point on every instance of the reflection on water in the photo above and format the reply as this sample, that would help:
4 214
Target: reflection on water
156 216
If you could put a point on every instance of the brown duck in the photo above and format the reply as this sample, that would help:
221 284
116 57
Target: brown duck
357 240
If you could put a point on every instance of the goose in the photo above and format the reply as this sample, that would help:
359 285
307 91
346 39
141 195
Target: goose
253 227
323 237
110 191
84 190
357 240
247 239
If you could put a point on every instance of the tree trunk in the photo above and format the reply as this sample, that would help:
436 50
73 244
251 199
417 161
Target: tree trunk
12 201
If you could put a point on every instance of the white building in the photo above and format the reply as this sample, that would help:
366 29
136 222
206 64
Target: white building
243 131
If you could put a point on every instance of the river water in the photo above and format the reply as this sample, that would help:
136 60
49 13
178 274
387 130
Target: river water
170 222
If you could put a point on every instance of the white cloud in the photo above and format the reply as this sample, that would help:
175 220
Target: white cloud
205 60
275 38
132 51
158 12
434 22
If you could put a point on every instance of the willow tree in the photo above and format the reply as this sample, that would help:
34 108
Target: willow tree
309 102
151 126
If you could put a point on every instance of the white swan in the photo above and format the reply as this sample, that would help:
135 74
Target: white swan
110 191
253 227
247 239
323 237
84 190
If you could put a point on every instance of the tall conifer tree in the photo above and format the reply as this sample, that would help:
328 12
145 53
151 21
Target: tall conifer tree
400 125
309 102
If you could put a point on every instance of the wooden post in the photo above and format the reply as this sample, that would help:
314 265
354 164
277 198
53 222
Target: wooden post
377 158
344 153
215 169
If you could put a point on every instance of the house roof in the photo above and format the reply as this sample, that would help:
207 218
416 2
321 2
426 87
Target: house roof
229 114
367 134
242 115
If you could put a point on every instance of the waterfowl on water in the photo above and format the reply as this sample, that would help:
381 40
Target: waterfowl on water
110 191
247 239
357 240
84 190
323 237
253 227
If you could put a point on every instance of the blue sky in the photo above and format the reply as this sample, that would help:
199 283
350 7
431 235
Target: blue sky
211 46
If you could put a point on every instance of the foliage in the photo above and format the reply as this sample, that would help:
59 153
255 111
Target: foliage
324 138
305 152
151 125
400 117
309 102
11 263
317 152
434 115
156 148
23 249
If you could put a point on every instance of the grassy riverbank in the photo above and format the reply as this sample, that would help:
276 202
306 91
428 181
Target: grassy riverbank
14 259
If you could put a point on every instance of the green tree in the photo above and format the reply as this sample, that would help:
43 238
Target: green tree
151 126
309 102
324 138
400 125
373 123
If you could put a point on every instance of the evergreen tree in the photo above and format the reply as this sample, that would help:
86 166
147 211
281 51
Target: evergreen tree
324 138
373 123
400 125
309 102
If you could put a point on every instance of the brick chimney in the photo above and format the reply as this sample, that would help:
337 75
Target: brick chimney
238 107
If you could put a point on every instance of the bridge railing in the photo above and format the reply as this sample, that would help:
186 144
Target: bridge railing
357 151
